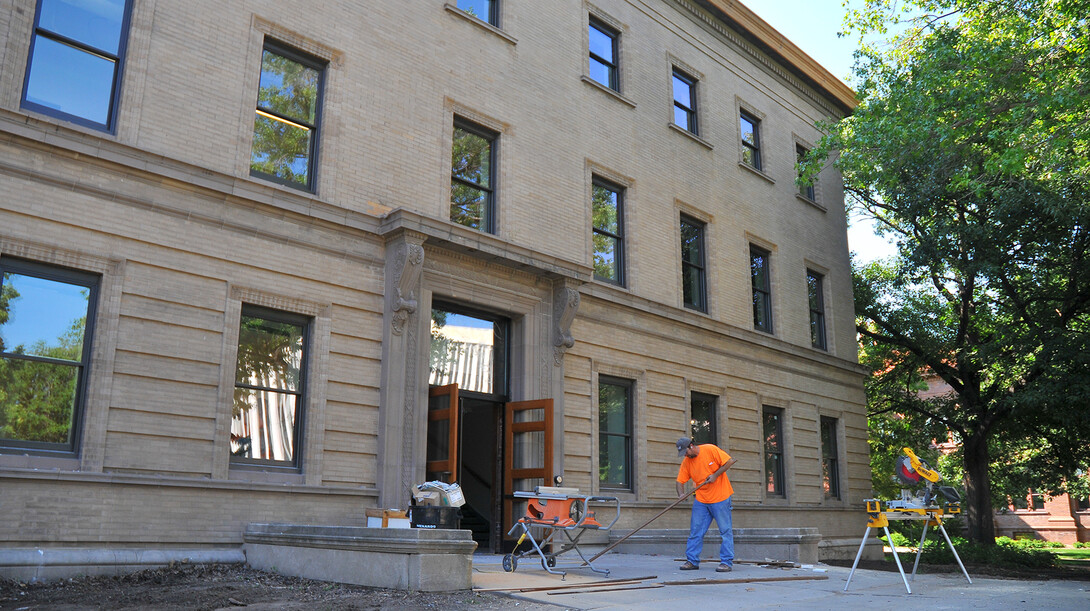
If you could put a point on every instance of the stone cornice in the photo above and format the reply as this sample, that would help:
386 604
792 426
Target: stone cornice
481 246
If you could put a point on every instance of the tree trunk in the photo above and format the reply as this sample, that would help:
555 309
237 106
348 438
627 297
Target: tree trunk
978 505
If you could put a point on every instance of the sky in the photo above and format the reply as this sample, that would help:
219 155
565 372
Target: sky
812 25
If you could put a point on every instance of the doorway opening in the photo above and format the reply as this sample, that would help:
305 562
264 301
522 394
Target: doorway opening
468 378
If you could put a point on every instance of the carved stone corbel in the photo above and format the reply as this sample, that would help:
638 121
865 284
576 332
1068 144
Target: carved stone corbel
409 265
565 305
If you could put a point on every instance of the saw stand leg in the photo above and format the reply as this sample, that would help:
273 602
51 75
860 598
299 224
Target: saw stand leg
896 558
950 543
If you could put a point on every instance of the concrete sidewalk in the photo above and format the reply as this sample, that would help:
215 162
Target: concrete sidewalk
868 589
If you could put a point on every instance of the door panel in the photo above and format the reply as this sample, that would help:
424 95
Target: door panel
442 453
527 452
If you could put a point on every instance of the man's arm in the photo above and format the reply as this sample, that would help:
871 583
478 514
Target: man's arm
722 469
680 488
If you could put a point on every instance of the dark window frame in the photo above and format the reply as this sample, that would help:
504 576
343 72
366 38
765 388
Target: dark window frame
315 63
774 459
830 457
815 289
617 238
612 68
295 465
754 148
806 190
118 59
713 417
629 387
92 282
699 301
691 112
762 290
493 138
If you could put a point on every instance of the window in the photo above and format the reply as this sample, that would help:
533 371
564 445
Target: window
607 210
289 100
815 286
702 420
603 54
1020 502
751 141
472 190
806 189
762 289
692 264
76 56
270 380
1038 501
830 464
1082 504
46 318
485 10
774 455
685 101
614 433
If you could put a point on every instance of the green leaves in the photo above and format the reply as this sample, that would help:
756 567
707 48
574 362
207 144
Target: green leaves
970 146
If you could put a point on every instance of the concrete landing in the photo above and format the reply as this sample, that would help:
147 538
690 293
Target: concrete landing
868 590
426 560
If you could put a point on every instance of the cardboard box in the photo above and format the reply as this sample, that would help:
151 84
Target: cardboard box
437 494
426 498
387 518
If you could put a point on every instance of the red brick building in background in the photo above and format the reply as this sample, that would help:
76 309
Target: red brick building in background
1035 515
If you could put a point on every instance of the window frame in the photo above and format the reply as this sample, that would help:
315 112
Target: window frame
829 428
118 59
618 238
493 138
700 301
762 290
778 476
92 282
320 65
815 290
691 111
753 148
302 395
628 435
613 68
493 18
713 416
806 190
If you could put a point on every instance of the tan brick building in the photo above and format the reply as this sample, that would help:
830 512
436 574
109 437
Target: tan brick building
223 227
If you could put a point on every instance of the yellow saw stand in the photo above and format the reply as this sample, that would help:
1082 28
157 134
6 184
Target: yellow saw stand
920 506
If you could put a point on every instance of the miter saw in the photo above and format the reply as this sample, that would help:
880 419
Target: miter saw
919 491
921 499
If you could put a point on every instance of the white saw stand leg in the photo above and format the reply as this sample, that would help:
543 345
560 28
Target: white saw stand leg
866 535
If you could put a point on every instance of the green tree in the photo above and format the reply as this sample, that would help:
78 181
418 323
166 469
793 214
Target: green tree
970 147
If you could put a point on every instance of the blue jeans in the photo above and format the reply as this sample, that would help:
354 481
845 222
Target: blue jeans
703 514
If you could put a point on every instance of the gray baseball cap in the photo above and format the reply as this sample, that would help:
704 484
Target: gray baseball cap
682 445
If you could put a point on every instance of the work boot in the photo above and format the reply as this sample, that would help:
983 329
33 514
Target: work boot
723 568
689 566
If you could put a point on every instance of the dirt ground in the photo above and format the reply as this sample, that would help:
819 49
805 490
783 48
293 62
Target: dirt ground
232 587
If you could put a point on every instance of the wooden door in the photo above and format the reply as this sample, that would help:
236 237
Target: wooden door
527 451
442 454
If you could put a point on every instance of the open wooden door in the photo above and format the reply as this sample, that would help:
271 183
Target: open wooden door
527 452
442 454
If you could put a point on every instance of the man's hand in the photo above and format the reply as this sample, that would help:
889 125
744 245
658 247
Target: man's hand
711 478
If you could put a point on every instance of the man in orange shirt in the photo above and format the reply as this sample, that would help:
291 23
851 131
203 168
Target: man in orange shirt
706 465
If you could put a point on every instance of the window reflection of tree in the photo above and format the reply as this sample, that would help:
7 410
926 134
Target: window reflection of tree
267 389
39 382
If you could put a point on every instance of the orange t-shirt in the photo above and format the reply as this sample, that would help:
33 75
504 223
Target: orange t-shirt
707 461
